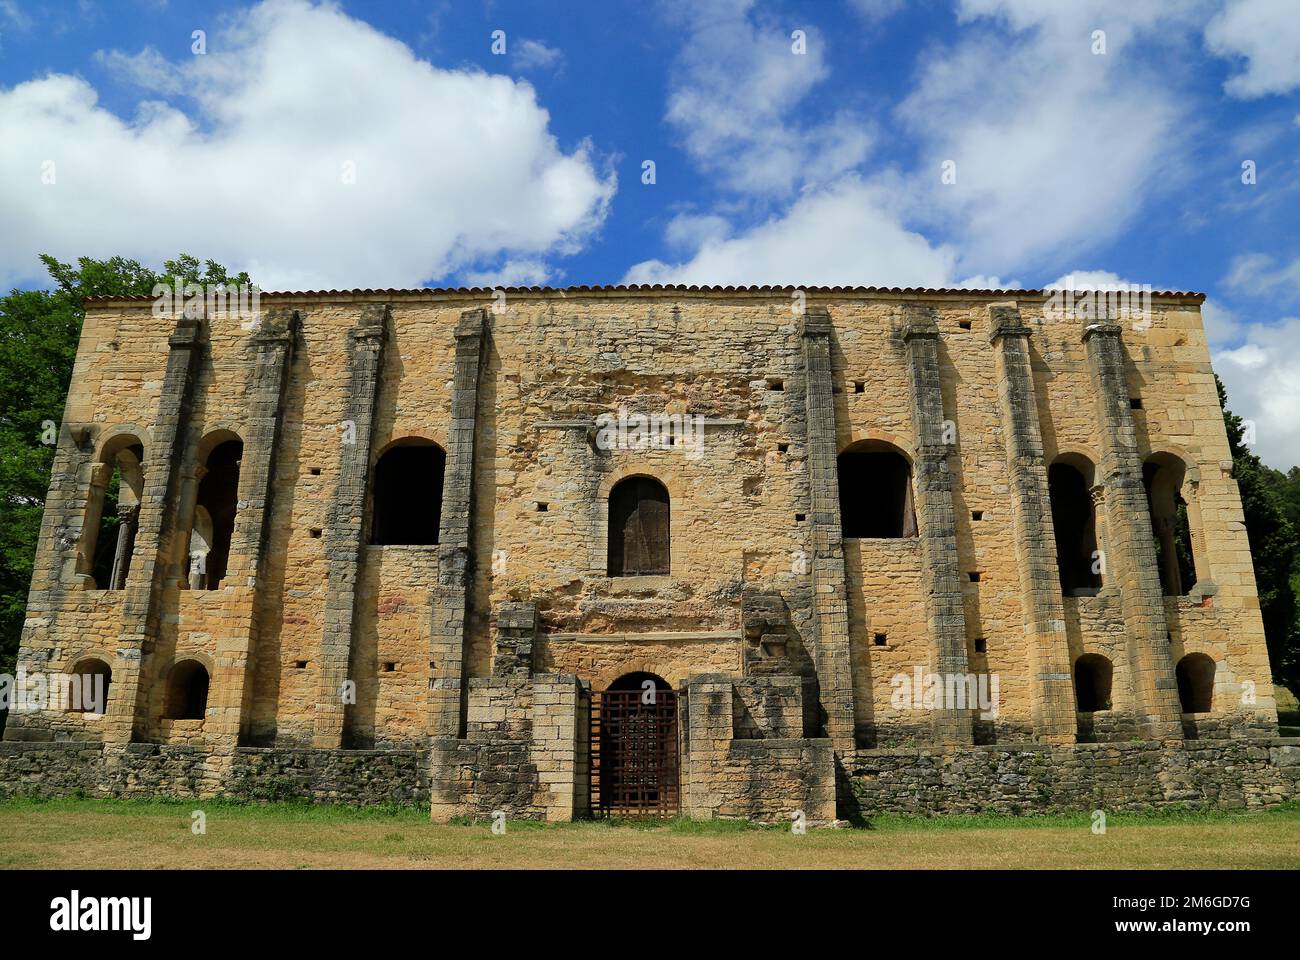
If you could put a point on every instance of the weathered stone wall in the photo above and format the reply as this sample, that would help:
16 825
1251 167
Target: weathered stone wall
768 776
147 771
1022 779
329 381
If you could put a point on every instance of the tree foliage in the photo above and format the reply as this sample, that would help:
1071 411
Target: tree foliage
1270 500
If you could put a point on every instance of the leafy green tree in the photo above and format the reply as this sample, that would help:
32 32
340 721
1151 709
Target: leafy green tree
1274 546
39 331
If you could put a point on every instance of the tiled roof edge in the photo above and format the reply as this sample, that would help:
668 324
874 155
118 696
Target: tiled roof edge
653 288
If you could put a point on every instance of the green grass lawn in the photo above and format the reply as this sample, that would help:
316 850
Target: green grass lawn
77 833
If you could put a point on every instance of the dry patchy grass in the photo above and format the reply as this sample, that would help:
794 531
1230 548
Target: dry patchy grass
123 834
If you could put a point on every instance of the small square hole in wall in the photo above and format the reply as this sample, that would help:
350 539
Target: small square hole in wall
300 664
981 645
783 448
964 323
543 507
977 514
800 517
315 471
1135 403
974 576
775 383
880 639
859 386
389 666
316 532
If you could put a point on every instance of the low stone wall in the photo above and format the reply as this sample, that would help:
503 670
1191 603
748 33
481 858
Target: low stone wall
1244 774
475 778
764 780
356 777
149 770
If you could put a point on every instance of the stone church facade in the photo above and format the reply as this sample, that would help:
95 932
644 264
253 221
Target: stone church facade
752 552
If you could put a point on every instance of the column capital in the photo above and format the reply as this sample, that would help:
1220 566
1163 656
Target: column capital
372 328
188 333
279 326
1102 328
1005 321
472 323
816 322
919 320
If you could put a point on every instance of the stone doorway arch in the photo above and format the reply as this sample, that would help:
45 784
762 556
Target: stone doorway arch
635 757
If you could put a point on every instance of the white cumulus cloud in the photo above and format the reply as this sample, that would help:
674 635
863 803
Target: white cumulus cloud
1266 35
847 234
314 151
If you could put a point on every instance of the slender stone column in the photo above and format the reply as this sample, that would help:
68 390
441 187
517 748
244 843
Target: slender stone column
1031 513
830 595
455 537
1130 549
122 552
155 551
940 578
274 344
343 546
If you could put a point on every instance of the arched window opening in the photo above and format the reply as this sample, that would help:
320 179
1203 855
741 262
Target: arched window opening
88 686
875 492
1092 678
638 679
1195 675
213 525
1163 475
187 691
115 513
639 528
407 494
1076 527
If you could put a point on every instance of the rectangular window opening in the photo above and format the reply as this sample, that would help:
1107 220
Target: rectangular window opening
880 639
977 514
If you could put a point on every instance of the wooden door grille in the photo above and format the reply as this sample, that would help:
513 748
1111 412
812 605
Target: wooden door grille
634 755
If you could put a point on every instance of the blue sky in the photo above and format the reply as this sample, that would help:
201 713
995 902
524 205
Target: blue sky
387 144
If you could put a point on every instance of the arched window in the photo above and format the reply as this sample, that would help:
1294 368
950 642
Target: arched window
1195 674
1092 676
88 690
1163 474
407 493
213 524
187 691
1069 481
639 528
875 492
114 511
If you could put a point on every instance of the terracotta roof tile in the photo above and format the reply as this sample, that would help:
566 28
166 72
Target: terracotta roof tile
653 288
